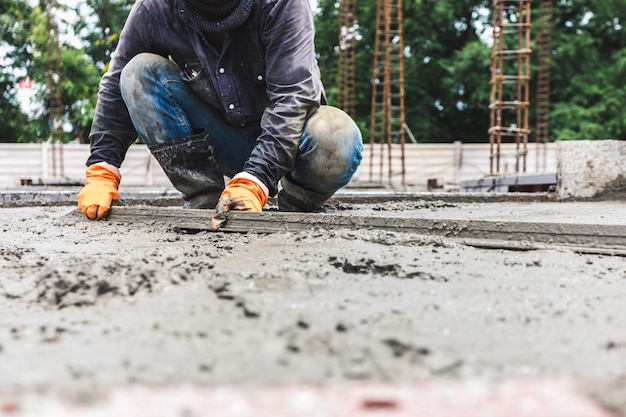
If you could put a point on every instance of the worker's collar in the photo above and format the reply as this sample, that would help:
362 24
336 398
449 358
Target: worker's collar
207 19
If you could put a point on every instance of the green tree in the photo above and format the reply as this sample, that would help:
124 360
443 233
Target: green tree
588 88
14 28
13 122
84 54
101 34
447 67
447 73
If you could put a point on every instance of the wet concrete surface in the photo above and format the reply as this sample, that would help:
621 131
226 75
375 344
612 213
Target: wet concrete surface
91 306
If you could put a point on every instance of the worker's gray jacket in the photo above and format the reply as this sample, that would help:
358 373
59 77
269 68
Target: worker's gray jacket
269 81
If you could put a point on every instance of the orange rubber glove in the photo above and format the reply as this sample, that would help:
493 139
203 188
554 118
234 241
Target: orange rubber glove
241 193
100 189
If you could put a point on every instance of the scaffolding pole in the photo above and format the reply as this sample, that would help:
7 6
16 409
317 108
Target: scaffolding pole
55 102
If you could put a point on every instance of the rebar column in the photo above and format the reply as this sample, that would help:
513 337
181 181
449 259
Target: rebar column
510 79
387 106
544 52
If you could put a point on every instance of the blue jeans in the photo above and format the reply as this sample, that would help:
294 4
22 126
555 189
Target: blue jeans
164 107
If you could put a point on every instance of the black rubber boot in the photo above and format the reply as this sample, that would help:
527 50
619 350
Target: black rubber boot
191 166
295 198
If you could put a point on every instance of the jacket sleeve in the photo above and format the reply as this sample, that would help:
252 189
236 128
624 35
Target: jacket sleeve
294 88
112 131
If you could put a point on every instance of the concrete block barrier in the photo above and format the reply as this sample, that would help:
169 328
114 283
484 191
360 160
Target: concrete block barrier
591 168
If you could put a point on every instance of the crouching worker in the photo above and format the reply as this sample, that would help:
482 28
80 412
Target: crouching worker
220 88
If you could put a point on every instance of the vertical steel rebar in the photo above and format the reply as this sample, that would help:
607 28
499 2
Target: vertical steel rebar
387 111
510 79
544 53
375 87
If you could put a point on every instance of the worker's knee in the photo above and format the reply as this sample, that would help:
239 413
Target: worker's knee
329 155
143 69
332 144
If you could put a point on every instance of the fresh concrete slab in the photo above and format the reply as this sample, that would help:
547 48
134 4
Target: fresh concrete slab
95 312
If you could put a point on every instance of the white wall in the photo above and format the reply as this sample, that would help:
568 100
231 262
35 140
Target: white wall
448 163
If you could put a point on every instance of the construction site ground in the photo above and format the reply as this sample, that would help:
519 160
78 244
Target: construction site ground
386 304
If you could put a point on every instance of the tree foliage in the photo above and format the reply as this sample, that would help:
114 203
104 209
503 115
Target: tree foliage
88 35
447 65
14 27
589 70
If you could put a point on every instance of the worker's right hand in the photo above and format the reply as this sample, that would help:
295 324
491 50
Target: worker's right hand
100 189
244 192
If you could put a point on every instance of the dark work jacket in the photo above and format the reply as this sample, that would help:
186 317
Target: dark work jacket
269 81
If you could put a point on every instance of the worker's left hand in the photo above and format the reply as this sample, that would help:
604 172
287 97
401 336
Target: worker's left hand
101 182
243 192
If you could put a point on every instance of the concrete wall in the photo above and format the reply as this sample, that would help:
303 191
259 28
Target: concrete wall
447 163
